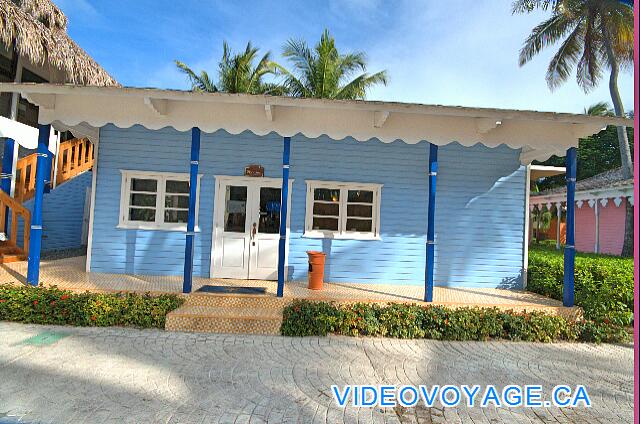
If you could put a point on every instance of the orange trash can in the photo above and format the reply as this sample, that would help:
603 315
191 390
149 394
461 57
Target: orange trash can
316 269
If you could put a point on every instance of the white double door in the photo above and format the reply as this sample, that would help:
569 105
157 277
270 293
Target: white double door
246 228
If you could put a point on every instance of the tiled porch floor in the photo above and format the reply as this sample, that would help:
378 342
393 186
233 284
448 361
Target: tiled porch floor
70 274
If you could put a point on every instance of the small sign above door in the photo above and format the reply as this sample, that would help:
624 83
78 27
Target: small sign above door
254 171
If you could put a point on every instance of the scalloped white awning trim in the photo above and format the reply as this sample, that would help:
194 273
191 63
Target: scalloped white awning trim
590 196
538 134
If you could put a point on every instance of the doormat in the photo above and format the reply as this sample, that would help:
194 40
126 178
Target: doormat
232 290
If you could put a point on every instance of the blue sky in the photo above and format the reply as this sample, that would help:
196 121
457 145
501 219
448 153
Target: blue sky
454 52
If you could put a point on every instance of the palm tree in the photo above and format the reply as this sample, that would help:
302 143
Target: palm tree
325 73
594 35
599 109
237 73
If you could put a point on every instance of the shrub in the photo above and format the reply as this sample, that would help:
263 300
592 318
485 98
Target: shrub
308 318
50 305
603 284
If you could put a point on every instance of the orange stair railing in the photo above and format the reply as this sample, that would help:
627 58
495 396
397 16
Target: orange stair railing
11 205
74 157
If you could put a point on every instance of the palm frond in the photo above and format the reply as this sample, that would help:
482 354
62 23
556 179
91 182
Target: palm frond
565 59
206 83
599 109
237 73
357 88
528 6
620 25
589 70
273 89
295 87
198 82
322 72
297 52
352 62
591 29
260 70
544 35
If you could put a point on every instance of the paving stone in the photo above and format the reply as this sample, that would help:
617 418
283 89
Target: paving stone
115 375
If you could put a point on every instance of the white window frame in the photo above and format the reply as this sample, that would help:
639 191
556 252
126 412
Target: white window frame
342 234
161 178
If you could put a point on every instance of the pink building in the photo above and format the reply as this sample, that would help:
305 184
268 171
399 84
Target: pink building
600 214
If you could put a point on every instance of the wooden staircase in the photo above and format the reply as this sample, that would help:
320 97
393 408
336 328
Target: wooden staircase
11 213
224 313
74 157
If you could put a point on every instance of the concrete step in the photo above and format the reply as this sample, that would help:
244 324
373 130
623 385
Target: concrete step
220 319
8 258
235 300
9 252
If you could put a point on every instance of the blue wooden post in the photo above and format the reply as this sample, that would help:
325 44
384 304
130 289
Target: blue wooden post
431 223
7 174
7 165
47 175
569 248
282 244
35 243
191 221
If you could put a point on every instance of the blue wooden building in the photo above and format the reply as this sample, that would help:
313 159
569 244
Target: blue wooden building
242 186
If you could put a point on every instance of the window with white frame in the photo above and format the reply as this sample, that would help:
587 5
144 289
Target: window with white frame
152 200
342 210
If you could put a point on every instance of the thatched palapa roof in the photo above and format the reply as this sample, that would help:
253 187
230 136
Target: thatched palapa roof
39 30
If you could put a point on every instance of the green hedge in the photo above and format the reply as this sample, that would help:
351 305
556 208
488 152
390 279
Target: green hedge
603 284
41 305
307 318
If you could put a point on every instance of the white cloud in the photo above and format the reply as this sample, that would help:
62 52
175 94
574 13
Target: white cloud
456 52
465 53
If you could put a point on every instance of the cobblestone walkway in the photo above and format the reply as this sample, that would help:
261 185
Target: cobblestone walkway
77 375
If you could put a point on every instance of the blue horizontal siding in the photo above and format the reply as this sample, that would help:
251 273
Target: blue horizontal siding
479 234
62 214
479 213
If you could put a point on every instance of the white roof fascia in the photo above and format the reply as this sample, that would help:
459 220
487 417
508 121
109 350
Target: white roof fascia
538 134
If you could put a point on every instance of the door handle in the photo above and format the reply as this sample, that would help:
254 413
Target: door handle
254 230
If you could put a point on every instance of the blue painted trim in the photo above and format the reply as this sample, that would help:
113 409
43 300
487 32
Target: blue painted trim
7 165
570 249
284 203
35 243
191 221
431 223
48 168
7 174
